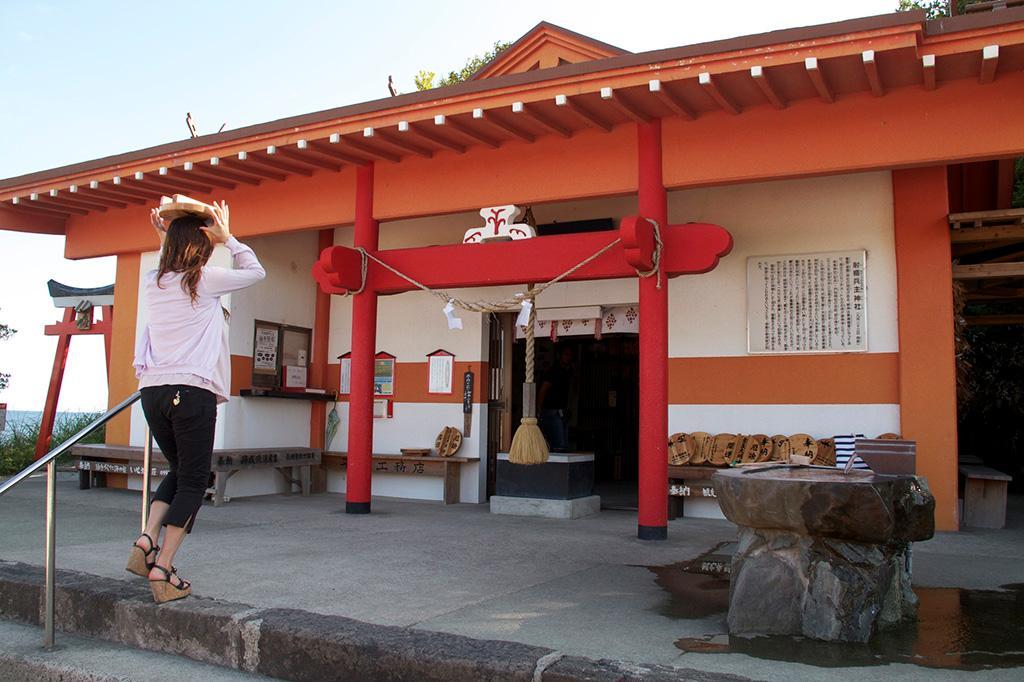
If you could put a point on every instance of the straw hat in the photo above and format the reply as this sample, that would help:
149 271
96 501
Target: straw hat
179 205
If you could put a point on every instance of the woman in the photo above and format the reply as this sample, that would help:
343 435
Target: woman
183 365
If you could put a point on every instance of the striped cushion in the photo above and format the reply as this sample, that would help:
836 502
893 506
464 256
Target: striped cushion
846 446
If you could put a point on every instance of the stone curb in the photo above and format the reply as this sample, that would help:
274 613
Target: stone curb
292 644
22 669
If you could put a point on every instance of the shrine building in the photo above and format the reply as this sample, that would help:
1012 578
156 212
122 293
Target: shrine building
800 184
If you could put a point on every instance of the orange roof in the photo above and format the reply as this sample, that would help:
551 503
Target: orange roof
509 100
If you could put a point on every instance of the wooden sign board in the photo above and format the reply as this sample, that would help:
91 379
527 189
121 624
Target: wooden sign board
118 468
807 303
262 459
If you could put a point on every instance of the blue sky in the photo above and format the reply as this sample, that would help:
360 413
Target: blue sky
82 80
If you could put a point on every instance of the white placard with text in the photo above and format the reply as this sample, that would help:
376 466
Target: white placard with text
807 303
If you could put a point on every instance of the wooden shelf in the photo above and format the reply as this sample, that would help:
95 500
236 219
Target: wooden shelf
330 396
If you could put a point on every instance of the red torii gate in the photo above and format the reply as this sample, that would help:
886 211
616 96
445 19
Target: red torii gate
687 249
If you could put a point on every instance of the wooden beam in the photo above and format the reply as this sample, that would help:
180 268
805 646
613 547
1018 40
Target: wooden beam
406 128
670 99
246 167
273 160
818 80
93 190
220 175
308 159
467 130
332 150
516 131
22 204
192 183
584 114
928 71
970 235
996 294
73 190
147 192
401 142
626 107
235 173
367 150
867 57
988 270
764 84
167 185
710 87
35 200
993 320
78 202
531 112
989 63
36 220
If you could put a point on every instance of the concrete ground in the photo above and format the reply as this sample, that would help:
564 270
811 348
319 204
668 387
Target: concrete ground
586 587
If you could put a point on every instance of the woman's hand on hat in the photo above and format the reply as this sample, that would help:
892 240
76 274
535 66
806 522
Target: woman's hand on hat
220 231
158 224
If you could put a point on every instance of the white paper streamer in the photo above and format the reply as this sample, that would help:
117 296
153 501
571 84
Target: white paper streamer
524 314
449 312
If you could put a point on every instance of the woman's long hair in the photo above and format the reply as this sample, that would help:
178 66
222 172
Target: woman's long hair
186 250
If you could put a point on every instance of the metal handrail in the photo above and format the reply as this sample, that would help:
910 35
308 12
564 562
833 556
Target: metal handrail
49 461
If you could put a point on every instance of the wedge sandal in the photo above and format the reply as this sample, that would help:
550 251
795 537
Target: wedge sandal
137 560
164 590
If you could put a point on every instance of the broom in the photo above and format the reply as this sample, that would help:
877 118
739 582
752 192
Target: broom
528 443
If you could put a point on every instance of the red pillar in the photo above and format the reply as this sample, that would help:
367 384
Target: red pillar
652 519
318 363
364 342
60 359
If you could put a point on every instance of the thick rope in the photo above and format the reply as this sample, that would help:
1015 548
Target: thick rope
530 359
516 300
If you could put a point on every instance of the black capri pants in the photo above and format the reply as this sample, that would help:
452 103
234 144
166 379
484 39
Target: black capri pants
182 420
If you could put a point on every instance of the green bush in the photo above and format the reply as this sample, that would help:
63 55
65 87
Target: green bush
18 440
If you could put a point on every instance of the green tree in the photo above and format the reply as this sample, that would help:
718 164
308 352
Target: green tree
935 8
5 332
425 80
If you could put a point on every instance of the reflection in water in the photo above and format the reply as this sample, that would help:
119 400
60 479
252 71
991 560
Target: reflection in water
956 628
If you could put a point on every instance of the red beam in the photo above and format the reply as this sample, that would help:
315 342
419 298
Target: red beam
466 129
867 57
310 159
585 114
818 80
530 111
760 77
691 248
989 63
481 115
721 99
188 173
252 169
670 99
625 106
99 327
928 70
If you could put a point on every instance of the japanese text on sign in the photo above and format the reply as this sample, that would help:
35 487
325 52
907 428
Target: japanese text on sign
807 303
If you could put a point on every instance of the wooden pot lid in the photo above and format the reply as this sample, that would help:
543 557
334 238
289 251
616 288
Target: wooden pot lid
757 448
179 205
803 446
826 455
680 448
781 448
701 447
448 441
723 449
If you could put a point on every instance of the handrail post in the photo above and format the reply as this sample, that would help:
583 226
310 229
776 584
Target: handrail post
147 456
51 546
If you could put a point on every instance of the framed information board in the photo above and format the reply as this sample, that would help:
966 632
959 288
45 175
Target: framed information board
276 346
807 303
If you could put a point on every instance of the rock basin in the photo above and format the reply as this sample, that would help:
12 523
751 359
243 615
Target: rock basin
821 553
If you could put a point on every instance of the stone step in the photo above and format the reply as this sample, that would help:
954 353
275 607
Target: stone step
80 659
291 644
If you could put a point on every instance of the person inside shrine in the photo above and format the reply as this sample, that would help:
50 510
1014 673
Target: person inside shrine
553 399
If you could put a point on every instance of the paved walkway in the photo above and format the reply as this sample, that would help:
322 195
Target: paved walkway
584 587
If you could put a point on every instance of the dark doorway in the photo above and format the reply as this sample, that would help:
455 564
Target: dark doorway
602 405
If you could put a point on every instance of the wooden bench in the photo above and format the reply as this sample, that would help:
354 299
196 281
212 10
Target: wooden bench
688 481
294 464
448 468
983 491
